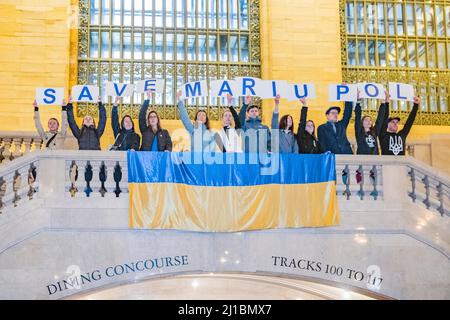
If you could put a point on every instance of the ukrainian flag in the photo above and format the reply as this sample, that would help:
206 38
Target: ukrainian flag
172 191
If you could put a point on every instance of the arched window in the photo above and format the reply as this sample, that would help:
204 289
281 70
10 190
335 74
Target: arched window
401 41
179 40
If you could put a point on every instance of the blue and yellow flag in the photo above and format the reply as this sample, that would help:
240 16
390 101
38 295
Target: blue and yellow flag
232 193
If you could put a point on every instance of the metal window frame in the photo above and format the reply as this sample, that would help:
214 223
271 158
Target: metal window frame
429 79
163 68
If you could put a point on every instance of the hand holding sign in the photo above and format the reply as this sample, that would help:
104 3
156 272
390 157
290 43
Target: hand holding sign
179 94
229 99
277 100
388 97
247 100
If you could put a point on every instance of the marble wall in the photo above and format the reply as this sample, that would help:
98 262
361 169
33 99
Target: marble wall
400 253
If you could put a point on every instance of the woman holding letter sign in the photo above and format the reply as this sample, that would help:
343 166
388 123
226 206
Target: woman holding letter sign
229 139
154 138
125 136
88 135
52 139
366 134
306 137
287 140
202 139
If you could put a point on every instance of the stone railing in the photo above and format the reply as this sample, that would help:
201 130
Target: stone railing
15 144
102 174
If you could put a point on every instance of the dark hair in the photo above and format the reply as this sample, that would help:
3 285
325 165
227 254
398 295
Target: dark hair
283 122
371 129
158 125
252 107
83 127
207 119
314 132
123 119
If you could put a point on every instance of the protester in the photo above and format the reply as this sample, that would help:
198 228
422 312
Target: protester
229 139
125 136
202 138
287 140
366 133
333 134
88 135
392 141
306 137
52 139
154 137
257 135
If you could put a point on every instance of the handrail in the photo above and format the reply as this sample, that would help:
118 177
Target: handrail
121 156
392 160
107 170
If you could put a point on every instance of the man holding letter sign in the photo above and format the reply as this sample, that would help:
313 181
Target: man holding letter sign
333 134
392 141
52 139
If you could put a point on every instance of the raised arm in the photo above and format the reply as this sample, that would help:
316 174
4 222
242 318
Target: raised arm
412 116
37 121
115 119
64 119
243 111
143 113
184 116
71 120
385 116
348 109
237 121
303 119
380 119
276 114
358 128
102 118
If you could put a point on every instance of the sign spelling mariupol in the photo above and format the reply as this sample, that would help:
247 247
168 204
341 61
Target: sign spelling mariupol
240 87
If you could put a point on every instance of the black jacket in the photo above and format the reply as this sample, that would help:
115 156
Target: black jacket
164 140
124 139
395 143
307 143
336 143
368 141
88 137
